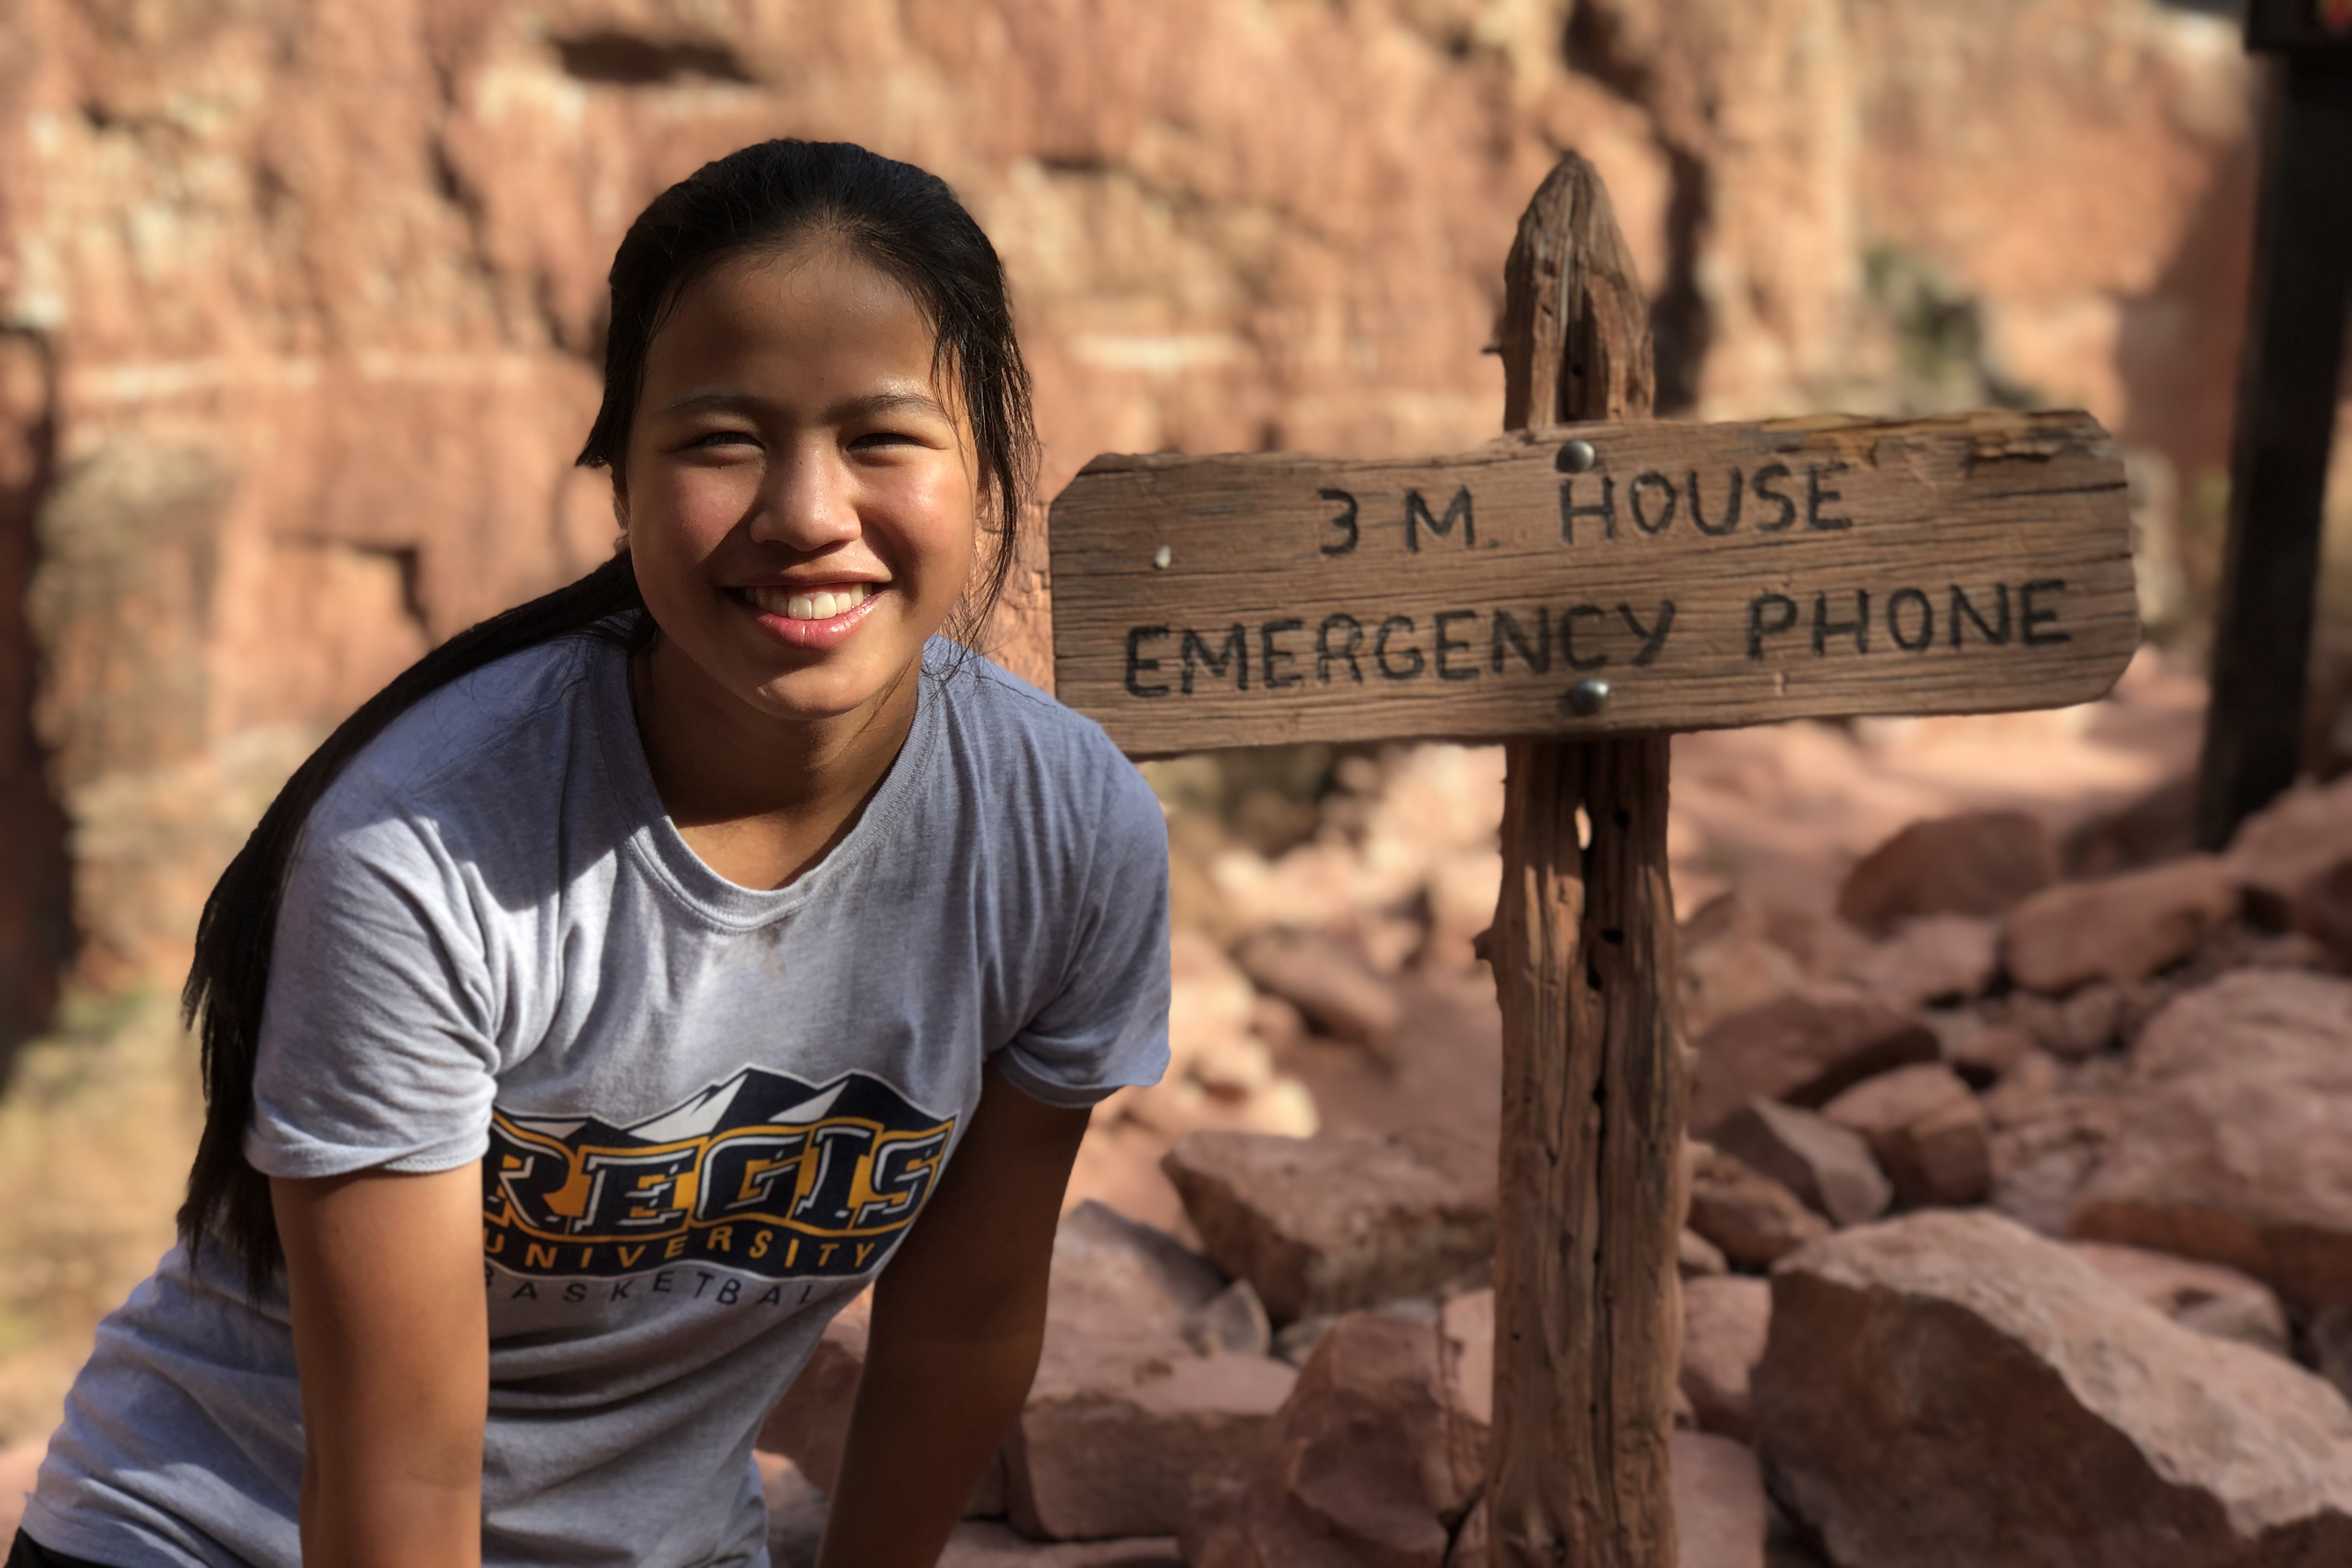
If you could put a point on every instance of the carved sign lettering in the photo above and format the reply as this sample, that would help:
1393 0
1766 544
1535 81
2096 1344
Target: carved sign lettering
1710 576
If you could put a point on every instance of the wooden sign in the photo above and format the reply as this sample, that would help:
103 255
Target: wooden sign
1581 590
1588 579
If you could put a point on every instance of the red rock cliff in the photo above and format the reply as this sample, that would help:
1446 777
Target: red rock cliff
299 303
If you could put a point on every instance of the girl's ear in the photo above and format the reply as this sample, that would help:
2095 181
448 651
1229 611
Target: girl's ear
619 516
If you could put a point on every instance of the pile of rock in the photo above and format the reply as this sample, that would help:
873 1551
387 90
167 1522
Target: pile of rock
2151 1067
1306 941
2021 1233
1339 1303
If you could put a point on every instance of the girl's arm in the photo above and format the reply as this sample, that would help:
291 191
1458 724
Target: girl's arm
391 1346
959 1317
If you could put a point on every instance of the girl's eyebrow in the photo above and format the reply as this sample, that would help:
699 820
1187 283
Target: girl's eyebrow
730 402
874 403
892 403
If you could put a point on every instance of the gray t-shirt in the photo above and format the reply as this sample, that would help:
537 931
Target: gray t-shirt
705 1113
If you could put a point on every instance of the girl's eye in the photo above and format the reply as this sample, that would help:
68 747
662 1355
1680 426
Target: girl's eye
874 438
721 438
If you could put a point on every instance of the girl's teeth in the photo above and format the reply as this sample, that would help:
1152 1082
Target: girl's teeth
820 607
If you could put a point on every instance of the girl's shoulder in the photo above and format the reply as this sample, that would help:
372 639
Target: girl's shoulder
1032 756
496 736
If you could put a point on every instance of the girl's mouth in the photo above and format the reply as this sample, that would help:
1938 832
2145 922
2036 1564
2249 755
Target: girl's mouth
795 604
810 618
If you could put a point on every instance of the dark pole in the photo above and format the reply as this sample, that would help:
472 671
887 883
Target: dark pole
2287 384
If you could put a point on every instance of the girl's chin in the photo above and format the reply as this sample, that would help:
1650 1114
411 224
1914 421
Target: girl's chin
833 689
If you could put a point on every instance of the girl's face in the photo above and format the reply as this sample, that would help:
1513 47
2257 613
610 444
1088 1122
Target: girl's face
801 489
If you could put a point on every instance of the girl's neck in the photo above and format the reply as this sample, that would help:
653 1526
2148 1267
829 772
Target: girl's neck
760 799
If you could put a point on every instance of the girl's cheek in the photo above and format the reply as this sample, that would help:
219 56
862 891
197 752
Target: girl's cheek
700 505
939 504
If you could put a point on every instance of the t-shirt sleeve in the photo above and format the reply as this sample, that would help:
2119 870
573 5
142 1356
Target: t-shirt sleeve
376 1046
1107 1027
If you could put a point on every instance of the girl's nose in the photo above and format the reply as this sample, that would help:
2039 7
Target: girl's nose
807 501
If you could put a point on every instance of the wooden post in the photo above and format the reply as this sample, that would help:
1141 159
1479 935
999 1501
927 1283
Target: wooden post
1588 1311
2287 383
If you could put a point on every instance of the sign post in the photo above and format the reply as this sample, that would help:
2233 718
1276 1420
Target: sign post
2287 381
1579 590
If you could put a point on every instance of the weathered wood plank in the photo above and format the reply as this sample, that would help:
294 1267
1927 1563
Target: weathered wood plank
1713 575
1588 1309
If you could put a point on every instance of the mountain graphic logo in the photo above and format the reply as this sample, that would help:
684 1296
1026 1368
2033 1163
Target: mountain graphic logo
763 1172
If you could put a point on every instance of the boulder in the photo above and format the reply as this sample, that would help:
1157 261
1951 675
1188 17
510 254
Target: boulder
1294 1341
1115 1277
977 1544
1725 959
1473 1547
1976 863
2331 1346
1275 1021
1978 1049
1331 1223
1753 1218
1828 1166
796 1512
2091 1431
1111 1441
1466 1351
2201 1295
1234 1322
2121 929
1823 945
2294 839
2233 1148
2320 909
2159 825
1929 958
1696 1257
1118 1289
1330 986
1129 1312
1221 1068
2071 1028
2051 1125
1803 1048
1721 1516
1927 1131
2025 1090
1374 1460
1725 1321
2242 943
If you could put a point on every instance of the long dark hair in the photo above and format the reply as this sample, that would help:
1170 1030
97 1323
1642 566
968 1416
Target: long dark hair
767 197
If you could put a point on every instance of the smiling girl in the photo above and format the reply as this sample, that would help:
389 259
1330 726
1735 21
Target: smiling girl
617 992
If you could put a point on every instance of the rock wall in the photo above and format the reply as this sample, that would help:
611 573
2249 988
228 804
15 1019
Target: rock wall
299 304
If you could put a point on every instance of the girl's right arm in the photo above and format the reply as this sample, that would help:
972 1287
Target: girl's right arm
384 1271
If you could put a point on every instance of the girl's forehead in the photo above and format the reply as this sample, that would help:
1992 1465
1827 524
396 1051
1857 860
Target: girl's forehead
814 316
819 306
821 274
